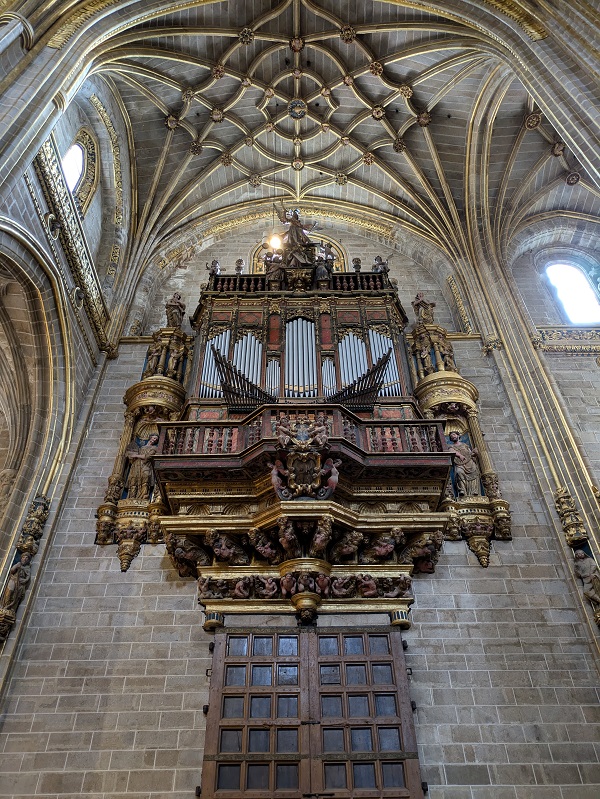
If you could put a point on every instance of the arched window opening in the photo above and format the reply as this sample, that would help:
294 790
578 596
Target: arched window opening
72 165
575 292
81 169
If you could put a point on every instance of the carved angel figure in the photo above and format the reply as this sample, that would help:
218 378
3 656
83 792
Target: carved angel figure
379 265
319 433
343 587
226 549
322 585
288 538
321 538
347 545
423 309
264 546
367 587
242 588
283 428
305 582
298 247
330 471
278 471
288 585
265 587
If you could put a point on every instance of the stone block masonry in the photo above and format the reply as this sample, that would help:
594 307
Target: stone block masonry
106 697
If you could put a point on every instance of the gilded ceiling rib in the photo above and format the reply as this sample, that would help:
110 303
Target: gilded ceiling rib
534 29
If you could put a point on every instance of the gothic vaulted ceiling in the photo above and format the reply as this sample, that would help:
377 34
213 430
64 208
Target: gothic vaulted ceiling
405 113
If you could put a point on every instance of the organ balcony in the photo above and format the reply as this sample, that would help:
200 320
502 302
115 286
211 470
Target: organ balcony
405 459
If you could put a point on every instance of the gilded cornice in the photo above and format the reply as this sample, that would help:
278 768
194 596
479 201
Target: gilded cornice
116 153
569 340
74 307
77 20
522 17
61 204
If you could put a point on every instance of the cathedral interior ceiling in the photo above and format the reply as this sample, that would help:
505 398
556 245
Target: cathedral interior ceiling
391 109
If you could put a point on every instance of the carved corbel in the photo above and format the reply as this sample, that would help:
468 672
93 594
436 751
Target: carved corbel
570 518
478 534
129 540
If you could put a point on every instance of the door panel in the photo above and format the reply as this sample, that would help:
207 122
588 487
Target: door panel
310 712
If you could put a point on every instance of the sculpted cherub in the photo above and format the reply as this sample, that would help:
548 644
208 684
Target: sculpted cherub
321 538
322 585
284 434
343 587
278 471
330 471
288 538
347 545
382 546
392 587
288 585
208 588
242 588
264 546
265 587
226 549
367 587
305 582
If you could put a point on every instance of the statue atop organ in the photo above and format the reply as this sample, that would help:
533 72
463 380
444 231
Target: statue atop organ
301 435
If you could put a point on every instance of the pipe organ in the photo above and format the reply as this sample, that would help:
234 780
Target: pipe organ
294 349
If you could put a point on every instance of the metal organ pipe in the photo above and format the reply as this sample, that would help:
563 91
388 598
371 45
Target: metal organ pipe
209 382
305 359
380 344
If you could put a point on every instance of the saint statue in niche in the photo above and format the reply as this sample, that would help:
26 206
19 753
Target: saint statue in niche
466 469
139 480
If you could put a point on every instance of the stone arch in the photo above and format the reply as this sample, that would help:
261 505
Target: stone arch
38 401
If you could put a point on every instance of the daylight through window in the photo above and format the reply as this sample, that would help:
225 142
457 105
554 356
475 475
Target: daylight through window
579 299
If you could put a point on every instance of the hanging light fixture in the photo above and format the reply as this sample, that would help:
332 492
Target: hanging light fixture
273 237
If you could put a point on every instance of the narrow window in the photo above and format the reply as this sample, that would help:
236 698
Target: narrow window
577 296
72 165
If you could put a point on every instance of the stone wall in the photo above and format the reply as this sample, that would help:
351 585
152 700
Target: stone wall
107 692
106 695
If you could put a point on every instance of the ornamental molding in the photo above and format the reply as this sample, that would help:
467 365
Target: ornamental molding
513 9
61 203
77 20
556 333
569 340
460 306
116 153
75 307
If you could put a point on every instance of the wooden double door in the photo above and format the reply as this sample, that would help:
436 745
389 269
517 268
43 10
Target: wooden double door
312 712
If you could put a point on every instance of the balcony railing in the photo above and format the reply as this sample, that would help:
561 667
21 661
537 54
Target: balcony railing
339 281
225 438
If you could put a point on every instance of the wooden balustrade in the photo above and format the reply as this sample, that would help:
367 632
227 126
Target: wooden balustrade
208 438
340 281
